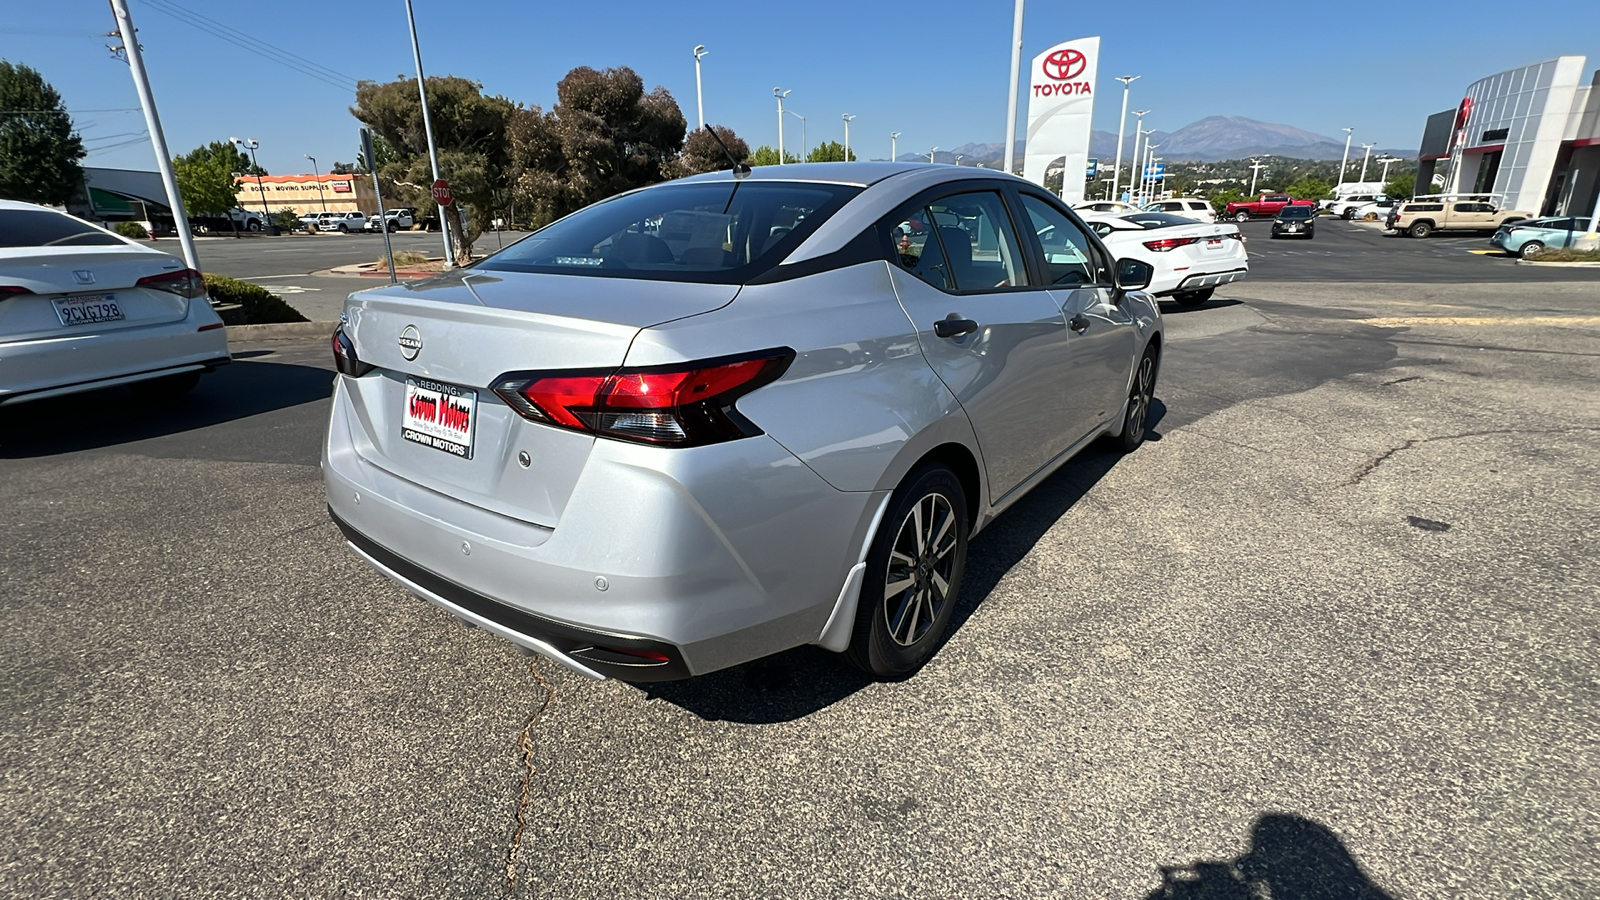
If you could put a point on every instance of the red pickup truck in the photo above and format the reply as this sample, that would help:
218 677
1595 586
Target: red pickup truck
1268 206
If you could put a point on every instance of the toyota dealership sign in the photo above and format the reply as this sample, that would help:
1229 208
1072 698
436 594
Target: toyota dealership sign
1061 113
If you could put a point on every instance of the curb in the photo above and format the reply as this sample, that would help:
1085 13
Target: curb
1575 265
282 331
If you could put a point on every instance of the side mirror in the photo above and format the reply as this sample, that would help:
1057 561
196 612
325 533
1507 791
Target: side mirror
1133 274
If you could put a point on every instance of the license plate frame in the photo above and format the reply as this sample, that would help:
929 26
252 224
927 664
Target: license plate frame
71 309
439 415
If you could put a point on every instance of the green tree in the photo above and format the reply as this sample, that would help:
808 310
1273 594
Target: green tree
766 156
470 131
39 148
702 153
1309 187
830 151
207 180
1402 186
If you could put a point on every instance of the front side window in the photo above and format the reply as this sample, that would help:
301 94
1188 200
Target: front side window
960 243
722 232
1067 250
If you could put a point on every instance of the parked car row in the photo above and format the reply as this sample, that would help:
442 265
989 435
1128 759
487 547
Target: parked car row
398 219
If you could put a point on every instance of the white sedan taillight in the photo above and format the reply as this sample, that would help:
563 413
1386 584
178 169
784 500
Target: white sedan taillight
183 282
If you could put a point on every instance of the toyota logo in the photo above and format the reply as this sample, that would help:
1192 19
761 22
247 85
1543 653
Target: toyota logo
410 342
1064 64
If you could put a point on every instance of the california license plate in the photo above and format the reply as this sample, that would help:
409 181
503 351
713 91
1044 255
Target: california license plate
88 310
439 416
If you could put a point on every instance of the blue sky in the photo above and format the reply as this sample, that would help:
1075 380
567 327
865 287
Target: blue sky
936 71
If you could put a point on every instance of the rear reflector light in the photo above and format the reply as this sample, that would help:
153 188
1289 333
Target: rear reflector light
183 282
682 405
212 327
344 356
1165 244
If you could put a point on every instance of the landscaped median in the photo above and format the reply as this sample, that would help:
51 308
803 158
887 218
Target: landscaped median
407 264
1586 258
242 303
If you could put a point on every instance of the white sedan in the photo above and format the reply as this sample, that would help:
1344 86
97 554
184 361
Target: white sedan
82 308
1191 258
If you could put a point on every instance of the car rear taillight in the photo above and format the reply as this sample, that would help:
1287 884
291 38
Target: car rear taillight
183 282
1165 244
681 405
344 356
12 290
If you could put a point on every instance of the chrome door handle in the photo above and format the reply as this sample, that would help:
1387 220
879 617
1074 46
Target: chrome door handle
954 327
1078 323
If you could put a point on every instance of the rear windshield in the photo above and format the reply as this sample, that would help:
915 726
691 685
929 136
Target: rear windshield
724 232
1295 212
43 228
1159 219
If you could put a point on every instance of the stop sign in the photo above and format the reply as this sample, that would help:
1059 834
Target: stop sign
441 193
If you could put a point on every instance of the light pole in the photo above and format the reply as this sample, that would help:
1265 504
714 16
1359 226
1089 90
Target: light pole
1348 132
1011 99
1366 152
1255 171
847 117
699 98
893 149
1138 134
320 195
780 93
959 157
805 142
1121 124
427 128
1146 178
1386 161
931 151
251 145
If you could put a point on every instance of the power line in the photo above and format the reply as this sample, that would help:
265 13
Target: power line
64 112
261 48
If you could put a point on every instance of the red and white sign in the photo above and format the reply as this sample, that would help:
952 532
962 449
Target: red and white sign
341 187
1061 112
441 193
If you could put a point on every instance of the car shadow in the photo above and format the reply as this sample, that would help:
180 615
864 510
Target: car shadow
113 416
1289 856
1171 308
799 682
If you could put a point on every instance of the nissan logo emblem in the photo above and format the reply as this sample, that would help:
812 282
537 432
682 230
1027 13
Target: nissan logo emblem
410 342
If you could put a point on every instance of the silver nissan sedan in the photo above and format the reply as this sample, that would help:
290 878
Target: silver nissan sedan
710 420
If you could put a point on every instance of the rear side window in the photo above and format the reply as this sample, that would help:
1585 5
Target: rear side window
1424 207
963 242
723 232
43 228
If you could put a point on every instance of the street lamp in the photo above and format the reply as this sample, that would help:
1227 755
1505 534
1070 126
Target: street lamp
1386 161
320 195
1255 171
893 136
780 93
1348 132
1121 123
1367 151
1138 135
1145 176
847 117
805 142
252 146
699 99
959 157
931 151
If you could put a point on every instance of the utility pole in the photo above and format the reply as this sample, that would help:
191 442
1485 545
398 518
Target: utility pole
780 93
699 99
427 127
1348 132
1367 151
893 137
1011 101
152 122
1121 124
847 118
1255 171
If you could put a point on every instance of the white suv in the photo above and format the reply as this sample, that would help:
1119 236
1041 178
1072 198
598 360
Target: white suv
1188 207
1345 207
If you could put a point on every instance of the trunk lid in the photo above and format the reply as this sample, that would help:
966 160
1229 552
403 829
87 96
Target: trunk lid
465 329
55 273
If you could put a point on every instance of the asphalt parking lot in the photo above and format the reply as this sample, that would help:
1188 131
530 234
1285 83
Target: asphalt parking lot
1330 633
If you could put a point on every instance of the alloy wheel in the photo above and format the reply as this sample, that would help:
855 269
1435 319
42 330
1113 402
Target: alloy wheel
1139 396
921 564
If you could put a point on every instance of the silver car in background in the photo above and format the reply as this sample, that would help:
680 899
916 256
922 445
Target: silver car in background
82 308
714 419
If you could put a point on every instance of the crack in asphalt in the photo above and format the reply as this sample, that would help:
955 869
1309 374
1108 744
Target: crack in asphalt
1372 465
525 745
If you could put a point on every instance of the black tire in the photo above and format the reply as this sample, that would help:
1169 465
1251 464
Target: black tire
1349 213
896 633
1420 230
392 227
1531 250
1136 414
252 225
343 228
1193 298
166 387
1242 215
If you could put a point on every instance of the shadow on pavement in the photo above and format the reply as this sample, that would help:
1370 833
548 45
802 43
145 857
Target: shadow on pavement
1171 308
114 416
799 682
1290 858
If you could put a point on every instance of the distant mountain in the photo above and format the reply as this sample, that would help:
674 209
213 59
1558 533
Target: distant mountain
1208 140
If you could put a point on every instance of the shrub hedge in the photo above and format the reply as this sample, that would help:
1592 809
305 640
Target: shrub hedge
131 230
261 306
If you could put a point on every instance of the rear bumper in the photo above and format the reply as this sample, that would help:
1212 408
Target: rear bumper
1201 281
70 362
665 563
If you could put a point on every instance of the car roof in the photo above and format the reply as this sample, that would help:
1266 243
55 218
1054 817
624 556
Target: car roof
859 174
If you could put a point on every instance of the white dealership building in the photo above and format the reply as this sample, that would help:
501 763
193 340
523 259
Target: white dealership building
1530 135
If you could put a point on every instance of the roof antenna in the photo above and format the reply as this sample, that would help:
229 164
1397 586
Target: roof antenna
740 167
